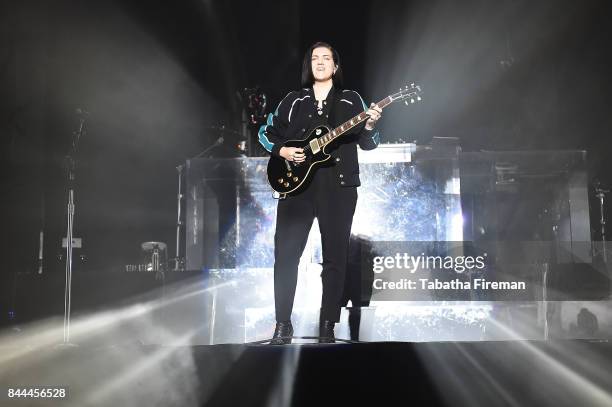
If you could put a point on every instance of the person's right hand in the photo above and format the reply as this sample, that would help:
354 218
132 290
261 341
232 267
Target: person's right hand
292 154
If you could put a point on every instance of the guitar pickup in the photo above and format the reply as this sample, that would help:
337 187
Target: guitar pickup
314 146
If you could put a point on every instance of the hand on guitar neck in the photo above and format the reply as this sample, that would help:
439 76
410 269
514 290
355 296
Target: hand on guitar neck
374 113
292 154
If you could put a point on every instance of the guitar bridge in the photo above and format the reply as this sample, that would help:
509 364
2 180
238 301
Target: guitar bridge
314 146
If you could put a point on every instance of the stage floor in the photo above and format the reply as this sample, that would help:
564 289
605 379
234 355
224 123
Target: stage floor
500 373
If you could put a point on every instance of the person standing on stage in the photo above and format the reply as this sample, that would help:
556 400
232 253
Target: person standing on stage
332 194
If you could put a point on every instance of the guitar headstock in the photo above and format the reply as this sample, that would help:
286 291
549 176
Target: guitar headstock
409 94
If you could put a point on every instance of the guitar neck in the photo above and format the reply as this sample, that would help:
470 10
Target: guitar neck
350 124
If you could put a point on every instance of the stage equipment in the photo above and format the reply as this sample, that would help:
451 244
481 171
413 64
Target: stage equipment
179 262
254 102
600 194
528 196
231 143
156 257
290 177
71 164
41 239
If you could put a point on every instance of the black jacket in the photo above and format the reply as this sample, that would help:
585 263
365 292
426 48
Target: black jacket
297 113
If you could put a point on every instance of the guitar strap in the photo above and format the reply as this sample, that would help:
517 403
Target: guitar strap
331 122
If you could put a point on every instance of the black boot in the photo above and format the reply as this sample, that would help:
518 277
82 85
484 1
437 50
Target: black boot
326 332
282 333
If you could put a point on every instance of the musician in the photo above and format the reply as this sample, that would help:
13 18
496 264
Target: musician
332 194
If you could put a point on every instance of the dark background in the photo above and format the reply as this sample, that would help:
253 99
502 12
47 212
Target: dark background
155 75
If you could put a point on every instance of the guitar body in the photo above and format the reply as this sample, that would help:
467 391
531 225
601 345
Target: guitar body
288 177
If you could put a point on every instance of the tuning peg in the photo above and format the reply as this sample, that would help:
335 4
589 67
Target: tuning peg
411 100
419 98
406 102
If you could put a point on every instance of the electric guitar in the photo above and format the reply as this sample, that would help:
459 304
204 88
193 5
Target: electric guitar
289 177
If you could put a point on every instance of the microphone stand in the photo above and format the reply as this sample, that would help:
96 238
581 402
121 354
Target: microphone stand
179 222
71 169
600 193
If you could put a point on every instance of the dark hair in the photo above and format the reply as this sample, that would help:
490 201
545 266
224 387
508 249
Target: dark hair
307 76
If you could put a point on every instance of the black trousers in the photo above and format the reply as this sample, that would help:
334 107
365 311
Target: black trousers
334 206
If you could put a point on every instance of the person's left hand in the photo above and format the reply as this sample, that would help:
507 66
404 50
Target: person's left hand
375 114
